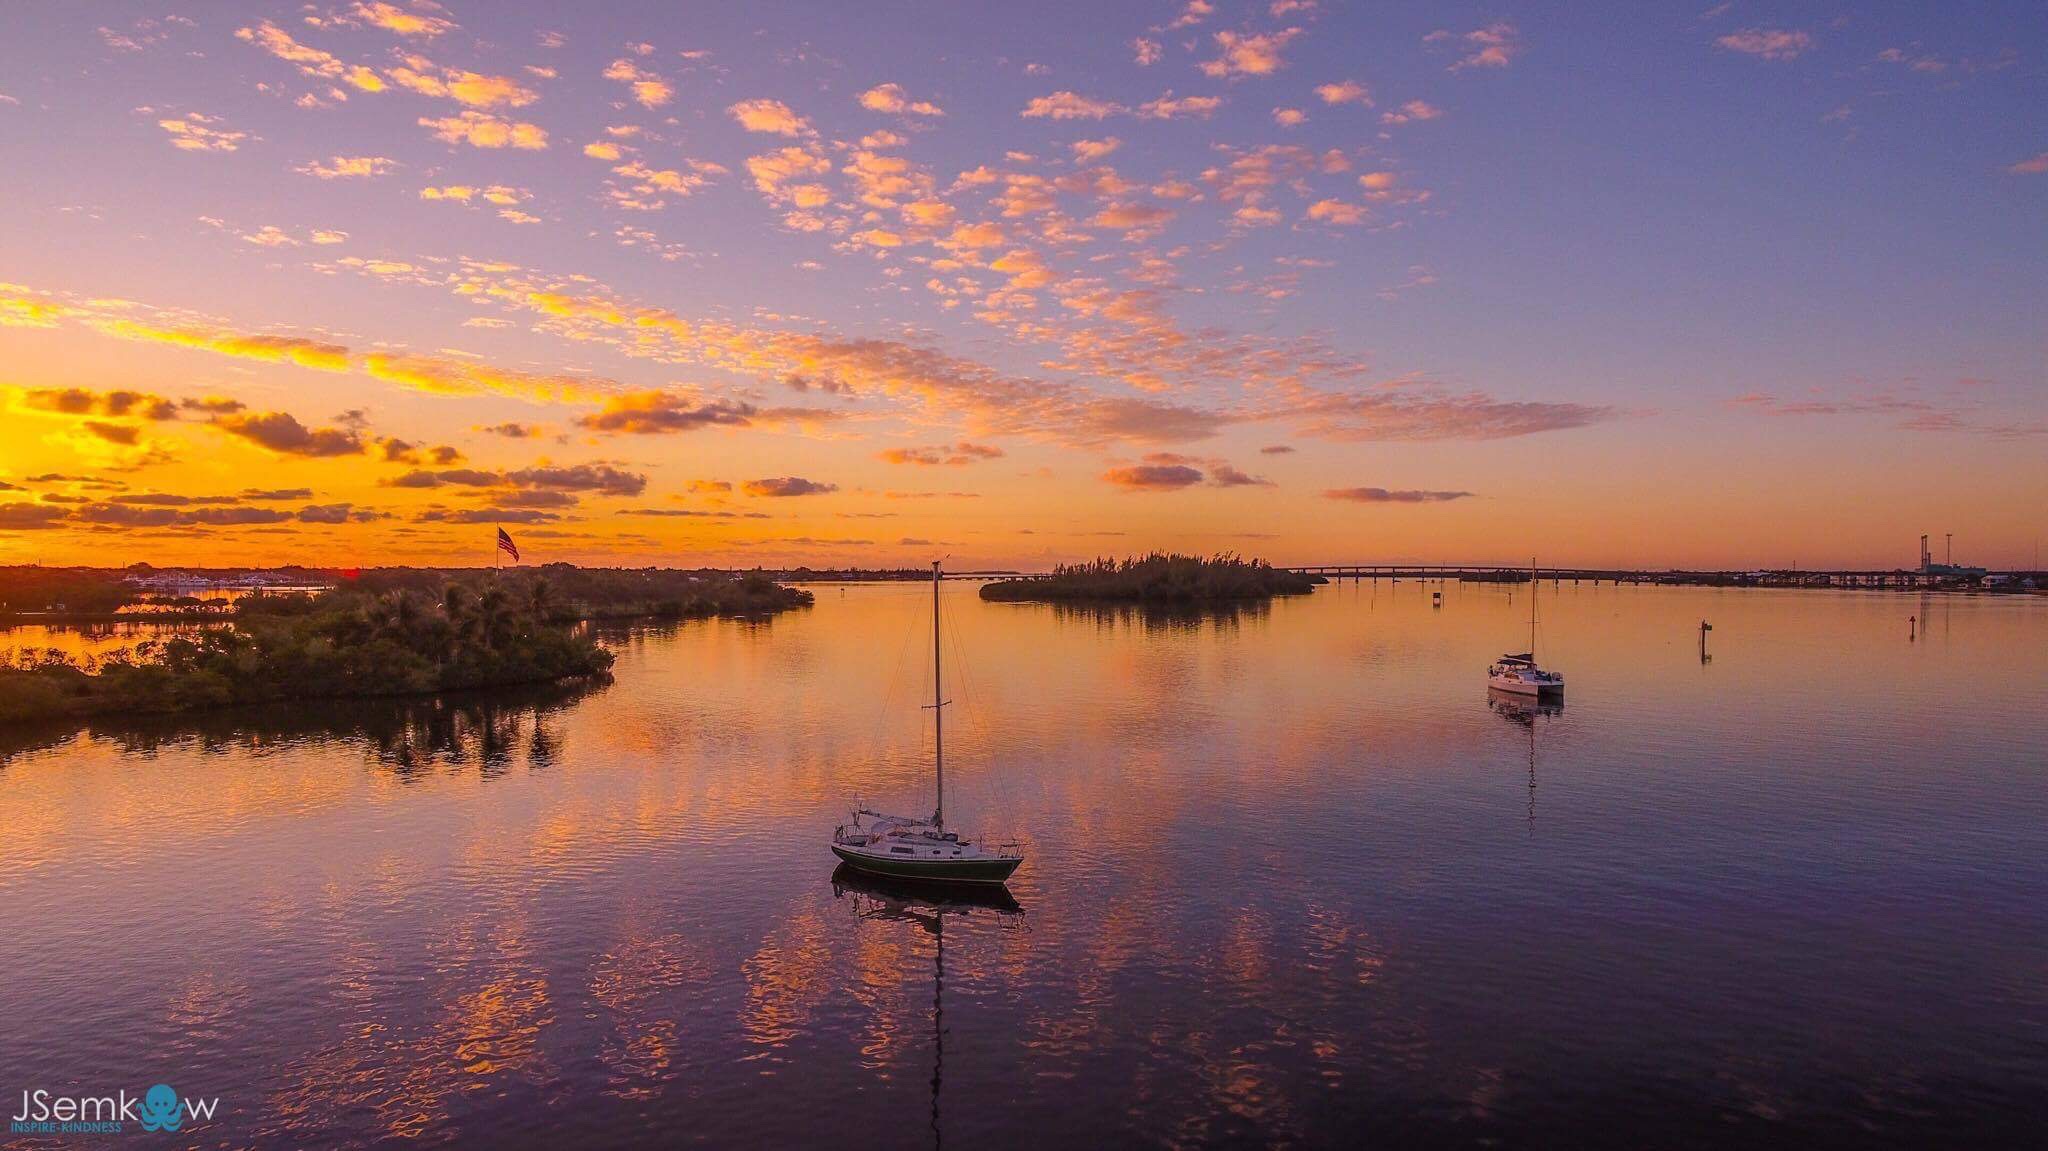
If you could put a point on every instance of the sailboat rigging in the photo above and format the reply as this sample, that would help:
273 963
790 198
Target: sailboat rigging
1519 673
903 847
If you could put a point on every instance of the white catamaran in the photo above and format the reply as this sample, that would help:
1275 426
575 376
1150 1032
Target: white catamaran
902 847
1518 673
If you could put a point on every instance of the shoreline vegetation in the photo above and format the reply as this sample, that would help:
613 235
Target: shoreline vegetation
374 633
1159 578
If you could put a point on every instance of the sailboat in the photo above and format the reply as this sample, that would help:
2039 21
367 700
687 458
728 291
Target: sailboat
906 847
1518 673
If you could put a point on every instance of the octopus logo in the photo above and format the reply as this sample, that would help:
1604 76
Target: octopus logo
160 1110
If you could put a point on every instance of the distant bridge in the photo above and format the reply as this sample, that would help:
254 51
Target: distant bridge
1502 573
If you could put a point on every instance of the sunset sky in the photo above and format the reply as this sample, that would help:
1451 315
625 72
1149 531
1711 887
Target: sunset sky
1731 285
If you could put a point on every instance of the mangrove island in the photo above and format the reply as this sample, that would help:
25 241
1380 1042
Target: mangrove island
379 632
1155 579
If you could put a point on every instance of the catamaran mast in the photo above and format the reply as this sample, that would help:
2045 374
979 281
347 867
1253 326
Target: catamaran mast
1532 609
938 710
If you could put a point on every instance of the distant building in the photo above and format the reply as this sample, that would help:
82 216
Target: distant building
1929 567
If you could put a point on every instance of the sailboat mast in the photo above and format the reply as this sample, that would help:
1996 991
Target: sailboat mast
938 710
1532 607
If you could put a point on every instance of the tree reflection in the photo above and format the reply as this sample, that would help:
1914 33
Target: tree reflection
410 737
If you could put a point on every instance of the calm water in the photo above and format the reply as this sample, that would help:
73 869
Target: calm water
1293 879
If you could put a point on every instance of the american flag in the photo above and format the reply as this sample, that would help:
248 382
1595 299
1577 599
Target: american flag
506 545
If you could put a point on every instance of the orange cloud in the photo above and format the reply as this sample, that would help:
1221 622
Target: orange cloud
891 99
1069 106
952 455
195 132
480 130
650 90
1089 151
392 18
666 412
1396 496
1493 46
347 167
1247 55
772 117
1347 92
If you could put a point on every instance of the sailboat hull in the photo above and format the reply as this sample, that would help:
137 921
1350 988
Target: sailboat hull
992 869
1515 686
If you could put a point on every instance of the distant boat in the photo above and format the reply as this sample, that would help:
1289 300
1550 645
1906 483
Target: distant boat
1518 674
905 847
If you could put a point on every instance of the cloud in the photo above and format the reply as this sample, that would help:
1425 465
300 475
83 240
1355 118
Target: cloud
511 431
955 455
1494 46
281 432
310 61
325 513
501 194
891 99
1065 105
769 116
1345 92
603 479
475 89
1767 43
448 376
2033 167
1194 12
118 403
1398 496
1225 476
1412 110
392 18
1421 415
1089 151
486 516
1248 55
480 130
1339 212
347 167
1133 217
1958 411
1166 107
650 90
20 517
270 236
1154 477
1277 450
663 412
194 132
1289 117
394 450
1147 52
784 486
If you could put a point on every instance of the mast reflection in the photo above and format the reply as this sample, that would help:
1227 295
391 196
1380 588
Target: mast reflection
1524 711
925 905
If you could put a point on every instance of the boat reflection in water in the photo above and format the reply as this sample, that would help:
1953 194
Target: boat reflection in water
925 906
1524 711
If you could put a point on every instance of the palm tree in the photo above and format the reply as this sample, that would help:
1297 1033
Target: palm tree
540 598
460 609
494 607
